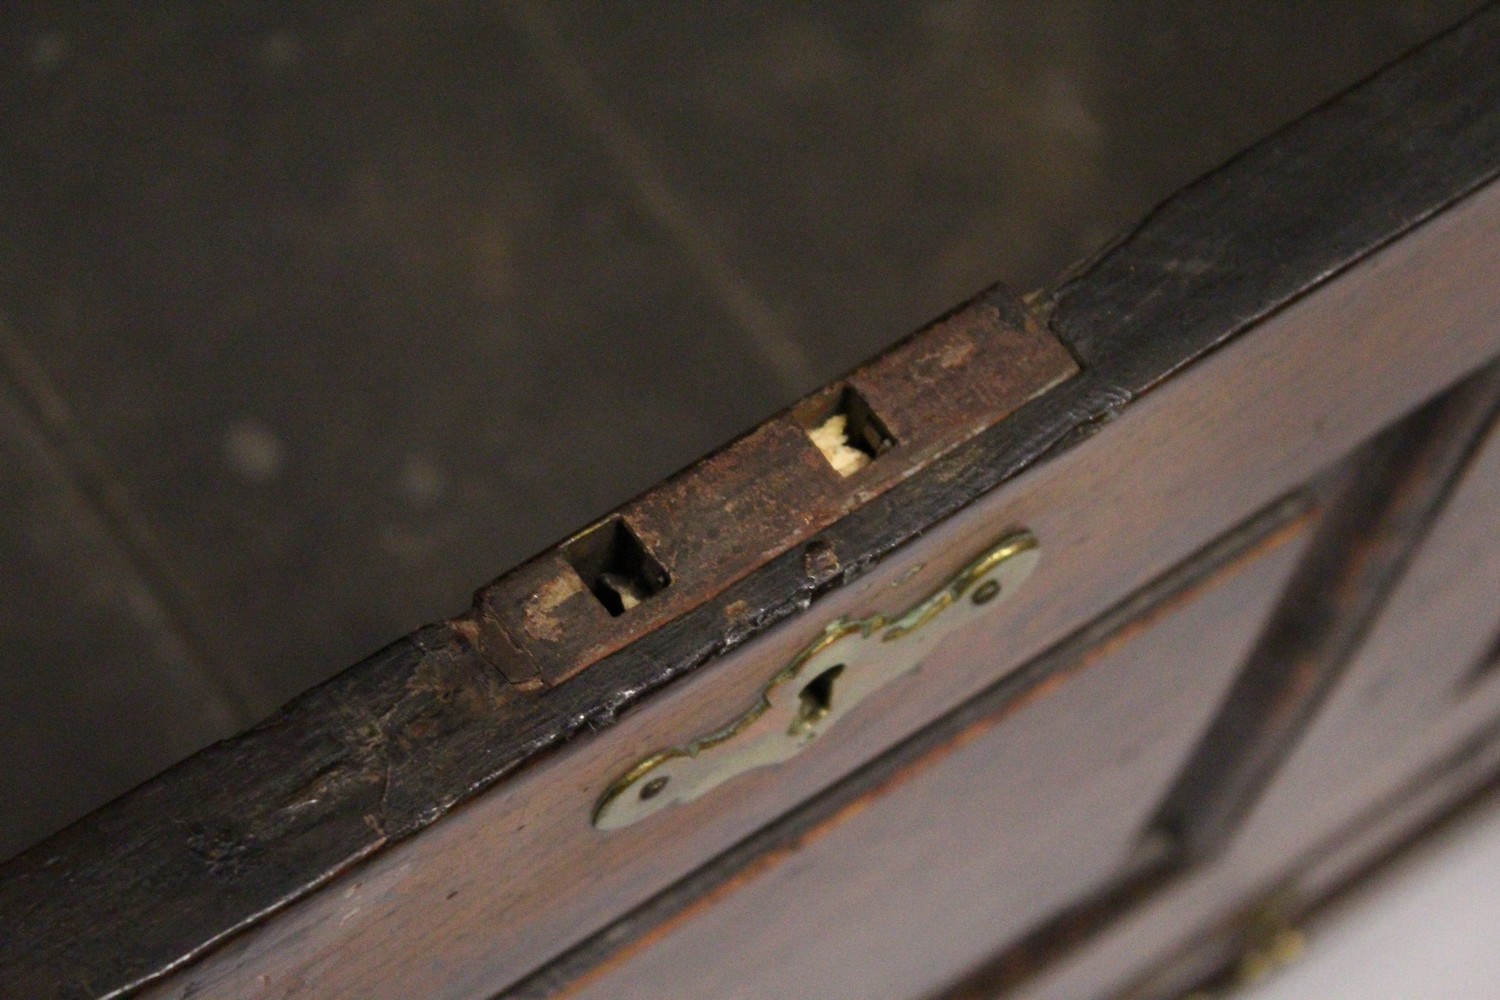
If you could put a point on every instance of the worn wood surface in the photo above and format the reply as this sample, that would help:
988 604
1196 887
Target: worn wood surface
330 314
291 851
772 490
1110 516
926 871
1380 516
1011 869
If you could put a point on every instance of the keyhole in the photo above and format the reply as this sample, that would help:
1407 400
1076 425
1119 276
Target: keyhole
816 699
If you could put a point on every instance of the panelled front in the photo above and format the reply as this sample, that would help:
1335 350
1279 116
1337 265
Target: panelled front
1415 702
1417 687
1017 816
508 884
1265 602
1279 702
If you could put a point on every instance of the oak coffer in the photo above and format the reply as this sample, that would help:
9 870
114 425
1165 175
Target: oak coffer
1073 647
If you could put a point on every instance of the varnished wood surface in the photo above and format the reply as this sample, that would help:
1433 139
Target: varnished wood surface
1405 700
1381 507
330 314
1385 501
1380 502
1014 818
1391 730
1111 515
1126 489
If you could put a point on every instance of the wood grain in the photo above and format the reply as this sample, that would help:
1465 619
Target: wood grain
1386 499
1392 731
1308 320
772 490
1382 502
1111 516
982 837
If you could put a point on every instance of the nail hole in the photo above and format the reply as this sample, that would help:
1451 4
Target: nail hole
985 592
615 566
652 788
846 430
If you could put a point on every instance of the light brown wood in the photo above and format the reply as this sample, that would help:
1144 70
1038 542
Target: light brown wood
511 879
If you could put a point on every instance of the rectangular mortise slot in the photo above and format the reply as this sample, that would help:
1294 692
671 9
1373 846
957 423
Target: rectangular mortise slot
615 566
848 433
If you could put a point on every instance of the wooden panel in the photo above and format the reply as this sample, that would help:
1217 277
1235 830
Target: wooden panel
1404 702
1216 959
1252 421
1387 496
1381 501
1390 726
268 833
1022 814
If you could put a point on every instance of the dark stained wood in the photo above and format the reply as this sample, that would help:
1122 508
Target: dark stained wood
1391 745
772 489
1157 952
1396 707
804 127
1119 484
1381 508
55 545
1381 514
1466 781
1236 444
823 896
768 902
340 311
1306 199
335 780
355 314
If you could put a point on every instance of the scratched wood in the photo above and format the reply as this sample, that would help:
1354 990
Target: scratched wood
1109 515
420 825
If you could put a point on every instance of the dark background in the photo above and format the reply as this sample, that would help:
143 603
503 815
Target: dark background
314 318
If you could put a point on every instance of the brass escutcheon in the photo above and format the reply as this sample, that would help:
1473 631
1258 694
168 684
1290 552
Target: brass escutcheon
846 663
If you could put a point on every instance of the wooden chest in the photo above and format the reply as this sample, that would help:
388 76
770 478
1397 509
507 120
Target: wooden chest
1067 649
